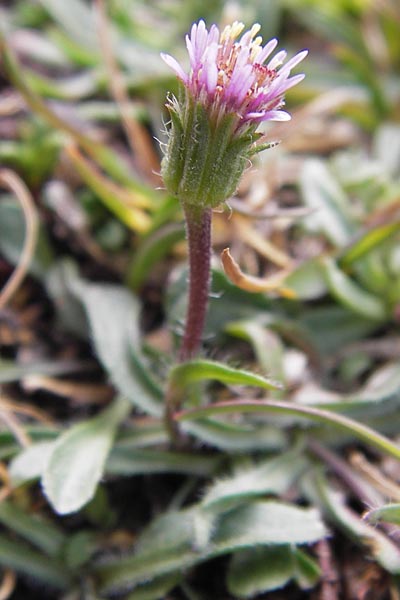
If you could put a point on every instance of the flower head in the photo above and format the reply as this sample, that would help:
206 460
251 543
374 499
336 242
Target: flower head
229 90
229 73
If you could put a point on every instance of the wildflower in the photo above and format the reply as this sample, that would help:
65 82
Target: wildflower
230 89
228 92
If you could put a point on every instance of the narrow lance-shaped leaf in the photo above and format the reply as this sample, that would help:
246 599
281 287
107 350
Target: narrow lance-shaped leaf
384 550
29 464
113 313
389 513
351 295
260 570
19 557
202 370
76 463
370 240
322 194
167 545
273 476
326 417
39 531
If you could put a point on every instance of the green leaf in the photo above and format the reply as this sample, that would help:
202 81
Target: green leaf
76 463
19 557
113 314
266 344
307 281
76 19
12 234
156 589
385 552
370 240
379 396
351 295
321 192
12 371
150 432
168 544
253 572
79 548
267 522
232 437
200 370
125 204
30 463
289 408
389 513
151 251
386 147
373 274
127 461
307 571
261 570
329 328
270 476
37 530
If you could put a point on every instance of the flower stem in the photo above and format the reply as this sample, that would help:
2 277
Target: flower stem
198 230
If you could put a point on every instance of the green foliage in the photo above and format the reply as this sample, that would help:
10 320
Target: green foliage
390 513
69 482
171 542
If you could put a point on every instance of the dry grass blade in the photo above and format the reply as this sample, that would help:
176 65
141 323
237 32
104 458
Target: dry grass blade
5 489
85 393
27 410
374 475
13 425
8 583
10 181
249 283
138 138
10 104
260 243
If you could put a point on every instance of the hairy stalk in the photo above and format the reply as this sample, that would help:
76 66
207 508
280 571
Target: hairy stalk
198 231
198 228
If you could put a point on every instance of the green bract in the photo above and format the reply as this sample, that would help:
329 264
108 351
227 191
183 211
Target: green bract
205 156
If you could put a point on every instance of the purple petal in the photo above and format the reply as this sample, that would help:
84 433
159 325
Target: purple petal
200 40
249 35
196 43
241 81
277 60
276 115
190 50
175 66
213 36
209 75
266 51
268 115
293 62
288 83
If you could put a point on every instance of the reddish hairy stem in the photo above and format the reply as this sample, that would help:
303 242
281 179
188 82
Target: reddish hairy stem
198 230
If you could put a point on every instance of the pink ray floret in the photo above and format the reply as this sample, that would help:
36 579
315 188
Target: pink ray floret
229 74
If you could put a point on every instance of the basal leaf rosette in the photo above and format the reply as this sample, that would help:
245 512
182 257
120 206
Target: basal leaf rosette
229 90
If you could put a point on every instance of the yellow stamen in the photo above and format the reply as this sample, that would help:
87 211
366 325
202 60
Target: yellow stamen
255 29
231 32
255 48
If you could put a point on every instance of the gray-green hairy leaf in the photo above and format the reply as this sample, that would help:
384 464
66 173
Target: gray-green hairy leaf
77 460
113 314
169 543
